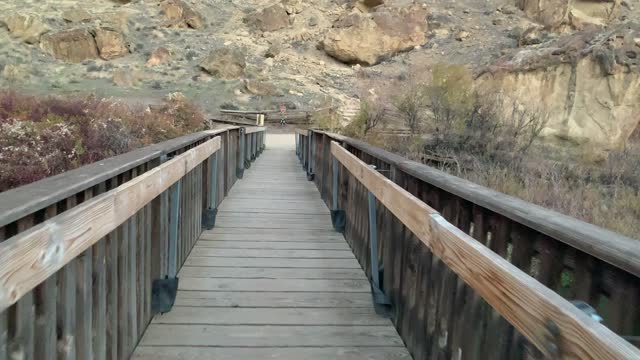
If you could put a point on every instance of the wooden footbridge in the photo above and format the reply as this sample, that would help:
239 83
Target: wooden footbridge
235 244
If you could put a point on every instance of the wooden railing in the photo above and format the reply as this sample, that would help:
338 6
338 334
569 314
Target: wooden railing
80 252
448 304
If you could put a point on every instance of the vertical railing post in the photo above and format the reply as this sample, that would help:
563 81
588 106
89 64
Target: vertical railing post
310 174
174 218
335 182
241 163
247 151
164 291
209 214
338 217
379 297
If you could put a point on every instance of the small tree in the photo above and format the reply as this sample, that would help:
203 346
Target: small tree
370 117
411 107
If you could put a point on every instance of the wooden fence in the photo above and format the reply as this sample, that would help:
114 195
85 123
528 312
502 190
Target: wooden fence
451 298
79 252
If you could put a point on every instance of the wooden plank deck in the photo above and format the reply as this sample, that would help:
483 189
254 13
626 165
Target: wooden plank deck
272 280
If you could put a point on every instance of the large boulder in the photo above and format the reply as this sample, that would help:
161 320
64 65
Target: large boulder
225 63
369 38
273 18
178 14
70 45
111 43
28 28
587 83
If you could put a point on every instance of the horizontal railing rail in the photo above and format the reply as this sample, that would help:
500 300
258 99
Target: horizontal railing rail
585 264
81 253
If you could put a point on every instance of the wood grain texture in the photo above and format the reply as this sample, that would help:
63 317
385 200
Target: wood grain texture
30 257
523 301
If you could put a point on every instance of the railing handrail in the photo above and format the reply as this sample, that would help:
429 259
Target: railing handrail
24 200
489 274
616 249
30 257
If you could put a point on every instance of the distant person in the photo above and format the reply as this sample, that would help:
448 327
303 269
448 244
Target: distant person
283 115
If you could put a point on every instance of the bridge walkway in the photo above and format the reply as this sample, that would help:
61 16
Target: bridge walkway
272 280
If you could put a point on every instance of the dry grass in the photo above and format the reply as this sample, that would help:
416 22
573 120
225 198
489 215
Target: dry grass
495 143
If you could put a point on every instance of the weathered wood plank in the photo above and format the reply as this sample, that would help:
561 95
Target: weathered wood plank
46 295
267 285
271 273
270 336
99 301
273 245
277 353
111 270
273 299
271 253
272 262
4 329
274 316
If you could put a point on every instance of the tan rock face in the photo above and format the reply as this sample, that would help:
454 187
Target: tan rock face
590 88
226 63
261 88
273 18
160 56
293 6
111 44
28 28
76 15
70 45
553 13
367 39
179 14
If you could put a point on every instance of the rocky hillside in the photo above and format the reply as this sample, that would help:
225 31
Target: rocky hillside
576 59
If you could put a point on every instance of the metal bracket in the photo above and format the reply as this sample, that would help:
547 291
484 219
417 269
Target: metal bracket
209 218
163 294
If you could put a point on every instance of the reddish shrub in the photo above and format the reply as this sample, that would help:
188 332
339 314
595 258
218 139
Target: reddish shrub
41 137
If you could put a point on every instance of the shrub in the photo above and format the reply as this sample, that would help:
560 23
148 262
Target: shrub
370 117
41 137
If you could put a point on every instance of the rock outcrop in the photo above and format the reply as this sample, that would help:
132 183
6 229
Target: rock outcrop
273 18
554 13
28 28
225 63
111 44
73 46
369 38
588 83
178 14
261 88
